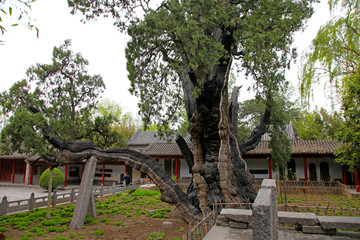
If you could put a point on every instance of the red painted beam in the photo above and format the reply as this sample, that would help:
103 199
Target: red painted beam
13 172
270 172
305 171
177 169
344 174
357 181
66 174
103 174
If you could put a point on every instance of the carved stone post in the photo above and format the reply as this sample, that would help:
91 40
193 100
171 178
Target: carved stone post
3 206
85 201
264 214
32 201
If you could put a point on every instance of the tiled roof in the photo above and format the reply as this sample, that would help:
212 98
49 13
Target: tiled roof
164 149
157 146
291 132
149 137
319 147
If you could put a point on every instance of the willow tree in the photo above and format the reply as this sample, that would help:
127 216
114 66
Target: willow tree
181 52
335 54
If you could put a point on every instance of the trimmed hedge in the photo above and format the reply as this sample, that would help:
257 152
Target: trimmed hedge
57 180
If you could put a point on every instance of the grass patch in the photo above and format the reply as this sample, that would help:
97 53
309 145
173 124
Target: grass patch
34 225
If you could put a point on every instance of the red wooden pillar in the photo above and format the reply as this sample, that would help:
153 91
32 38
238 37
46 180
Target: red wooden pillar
103 174
13 172
270 171
66 174
177 169
31 175
357 181
305 171
344 174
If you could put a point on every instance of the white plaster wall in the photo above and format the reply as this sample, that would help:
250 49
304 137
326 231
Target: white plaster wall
184 169
335 169
259 164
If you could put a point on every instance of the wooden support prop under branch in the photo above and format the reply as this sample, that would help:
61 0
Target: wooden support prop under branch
86 201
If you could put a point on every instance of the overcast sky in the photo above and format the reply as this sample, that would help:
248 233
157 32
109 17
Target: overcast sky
99 42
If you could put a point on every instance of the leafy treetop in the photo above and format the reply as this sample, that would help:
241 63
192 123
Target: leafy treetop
63 93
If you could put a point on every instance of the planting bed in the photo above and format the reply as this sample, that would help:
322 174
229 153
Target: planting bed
326 204
122 216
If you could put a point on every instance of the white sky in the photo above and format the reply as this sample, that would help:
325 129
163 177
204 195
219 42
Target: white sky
100 43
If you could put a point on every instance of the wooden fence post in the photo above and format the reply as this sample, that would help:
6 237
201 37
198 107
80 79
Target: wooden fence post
4 206
101 190
32 201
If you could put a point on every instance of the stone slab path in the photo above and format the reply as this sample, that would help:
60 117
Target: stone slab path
226 233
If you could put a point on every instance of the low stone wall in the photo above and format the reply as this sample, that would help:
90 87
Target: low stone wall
264 218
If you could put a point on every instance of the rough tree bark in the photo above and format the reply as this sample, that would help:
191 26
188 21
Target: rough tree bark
74 152
170 191
219 172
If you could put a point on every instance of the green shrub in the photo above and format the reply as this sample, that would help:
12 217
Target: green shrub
98 232
57 180
60 238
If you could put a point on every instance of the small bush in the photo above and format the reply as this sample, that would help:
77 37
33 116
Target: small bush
98 232
57 180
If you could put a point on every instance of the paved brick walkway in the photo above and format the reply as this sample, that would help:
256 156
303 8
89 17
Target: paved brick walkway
225 233
15 192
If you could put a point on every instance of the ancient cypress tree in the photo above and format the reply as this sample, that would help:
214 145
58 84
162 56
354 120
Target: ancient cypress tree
181 52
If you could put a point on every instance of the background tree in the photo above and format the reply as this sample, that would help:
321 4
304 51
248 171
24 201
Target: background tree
251 112
336 49
111 127
349 151
63 92
319 125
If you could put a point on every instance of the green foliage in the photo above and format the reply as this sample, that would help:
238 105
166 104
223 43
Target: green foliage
57 179
336 49
319 125
13 13
280 144
60 238
63 92
349 152
111 126
155 236
175 40
251 111
98 232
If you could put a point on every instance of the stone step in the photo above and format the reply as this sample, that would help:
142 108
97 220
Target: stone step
328 222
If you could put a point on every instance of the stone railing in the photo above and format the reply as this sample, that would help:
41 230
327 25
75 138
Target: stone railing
312 187
7 207
264 217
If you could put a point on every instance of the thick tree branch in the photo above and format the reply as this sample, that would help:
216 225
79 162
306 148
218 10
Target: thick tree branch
170 191
256 134
234 109
75 152
186 152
